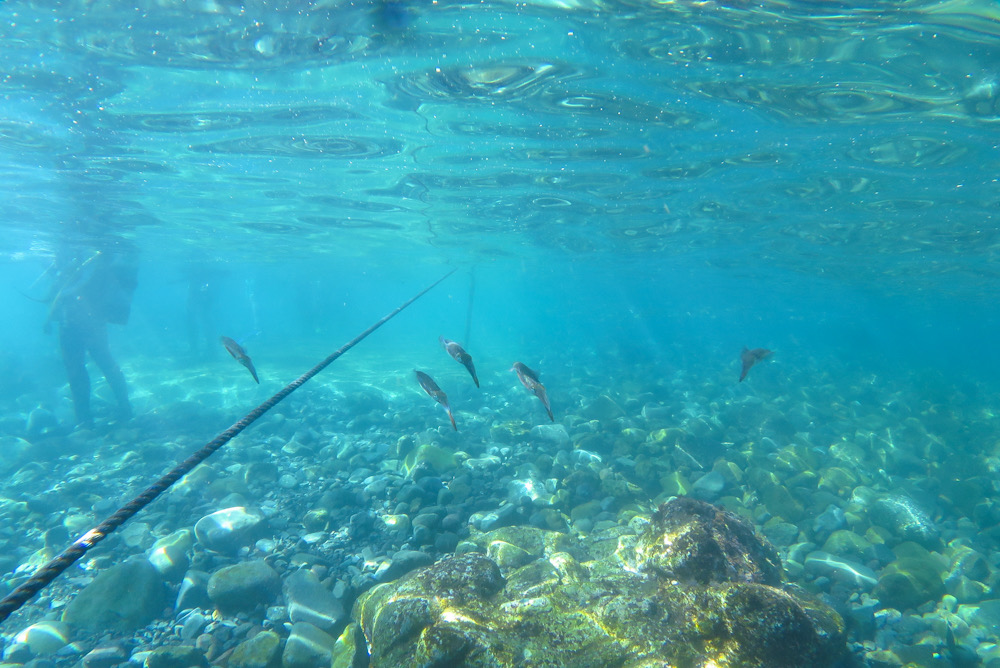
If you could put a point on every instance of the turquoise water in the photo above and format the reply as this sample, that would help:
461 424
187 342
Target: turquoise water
631 192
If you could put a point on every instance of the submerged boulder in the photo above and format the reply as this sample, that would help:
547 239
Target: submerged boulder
696 587
243 586
697 543
123 598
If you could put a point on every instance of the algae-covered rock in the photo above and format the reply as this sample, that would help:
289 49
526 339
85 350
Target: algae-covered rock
769 628
261 651
346 649
910 581
780 502
243 586
695 588
176 656
696 542
508 556
436 458
123 598
844 543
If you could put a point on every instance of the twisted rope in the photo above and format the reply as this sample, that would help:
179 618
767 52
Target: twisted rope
47 573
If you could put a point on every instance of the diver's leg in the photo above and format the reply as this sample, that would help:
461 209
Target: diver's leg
73 350
100 352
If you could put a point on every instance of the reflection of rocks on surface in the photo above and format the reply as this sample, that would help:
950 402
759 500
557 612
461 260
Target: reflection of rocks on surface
694 588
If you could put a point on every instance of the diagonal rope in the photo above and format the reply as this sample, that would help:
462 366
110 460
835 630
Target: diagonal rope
70 555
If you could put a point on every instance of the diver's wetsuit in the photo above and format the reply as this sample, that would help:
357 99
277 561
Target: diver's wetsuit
97 296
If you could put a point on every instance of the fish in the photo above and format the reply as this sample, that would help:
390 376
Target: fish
529 379
751 357
431 388
460 356
240 355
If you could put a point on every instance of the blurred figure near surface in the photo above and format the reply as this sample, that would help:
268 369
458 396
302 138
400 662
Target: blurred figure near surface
90 290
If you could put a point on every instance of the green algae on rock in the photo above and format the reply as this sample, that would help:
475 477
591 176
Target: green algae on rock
695 587
261 651
696 542
176 656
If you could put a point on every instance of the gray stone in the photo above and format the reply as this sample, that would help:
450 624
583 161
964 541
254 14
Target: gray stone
123 598
193 592
829 520
45 637
16 451
169 555
906 519
985 613
105 657
16 653
402 563
176 656
550 433
820 563
309 601
781 534
192 624
709 486
243 586
307 647
226 531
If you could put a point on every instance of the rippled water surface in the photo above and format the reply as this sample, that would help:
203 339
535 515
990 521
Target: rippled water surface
825 138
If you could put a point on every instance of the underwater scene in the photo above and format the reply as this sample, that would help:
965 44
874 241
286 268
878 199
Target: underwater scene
585 333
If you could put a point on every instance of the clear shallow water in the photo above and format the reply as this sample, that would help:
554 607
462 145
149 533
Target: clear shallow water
631 191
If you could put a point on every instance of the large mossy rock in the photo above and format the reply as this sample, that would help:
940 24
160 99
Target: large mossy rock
696 542
123 598
695 588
